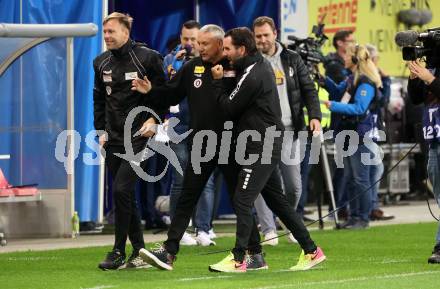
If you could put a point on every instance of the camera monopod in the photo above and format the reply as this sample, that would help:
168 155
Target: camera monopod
328 181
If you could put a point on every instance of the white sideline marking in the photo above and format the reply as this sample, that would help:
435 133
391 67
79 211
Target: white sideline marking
380 277
100 287
34 258
288 270
391 261
202 278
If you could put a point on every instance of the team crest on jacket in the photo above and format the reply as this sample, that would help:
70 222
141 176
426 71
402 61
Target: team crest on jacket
108 89
197 83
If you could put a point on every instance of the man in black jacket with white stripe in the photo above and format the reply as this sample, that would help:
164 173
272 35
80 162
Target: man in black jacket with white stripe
254 108
194 81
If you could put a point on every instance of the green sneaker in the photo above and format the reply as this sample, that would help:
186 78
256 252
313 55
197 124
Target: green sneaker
307 261
228 265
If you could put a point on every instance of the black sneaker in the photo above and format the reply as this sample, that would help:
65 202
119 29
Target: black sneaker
360 224
135 262
349 223
158 257
113 261
256 262
435 257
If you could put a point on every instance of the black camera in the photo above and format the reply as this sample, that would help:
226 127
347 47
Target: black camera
310 48
417 45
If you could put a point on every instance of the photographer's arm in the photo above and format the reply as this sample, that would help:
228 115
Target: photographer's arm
434 87
416 83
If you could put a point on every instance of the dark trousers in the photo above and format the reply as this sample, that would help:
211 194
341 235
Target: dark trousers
127 219
193 186
265 179
147 192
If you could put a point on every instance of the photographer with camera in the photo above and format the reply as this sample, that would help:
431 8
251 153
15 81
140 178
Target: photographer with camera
335 63
424 86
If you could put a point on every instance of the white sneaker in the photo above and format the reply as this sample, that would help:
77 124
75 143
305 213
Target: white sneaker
274 239
166 219
211 234
187 240
204 240
291 239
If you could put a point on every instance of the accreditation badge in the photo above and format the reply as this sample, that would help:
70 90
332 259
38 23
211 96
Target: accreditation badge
199 69
131 75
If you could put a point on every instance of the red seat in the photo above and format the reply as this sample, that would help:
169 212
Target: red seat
25 191
5 187
7 190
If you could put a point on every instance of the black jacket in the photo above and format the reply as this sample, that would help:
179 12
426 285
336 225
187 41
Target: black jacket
113 98
254 103
419 92
334 67
194 81
300 89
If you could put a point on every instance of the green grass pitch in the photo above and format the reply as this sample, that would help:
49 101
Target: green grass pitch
392 256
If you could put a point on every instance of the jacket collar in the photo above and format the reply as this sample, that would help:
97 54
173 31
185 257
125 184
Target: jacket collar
124 49
335 57
223 61
244 62
283 46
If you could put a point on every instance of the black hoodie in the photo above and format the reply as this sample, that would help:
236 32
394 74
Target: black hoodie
254 103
